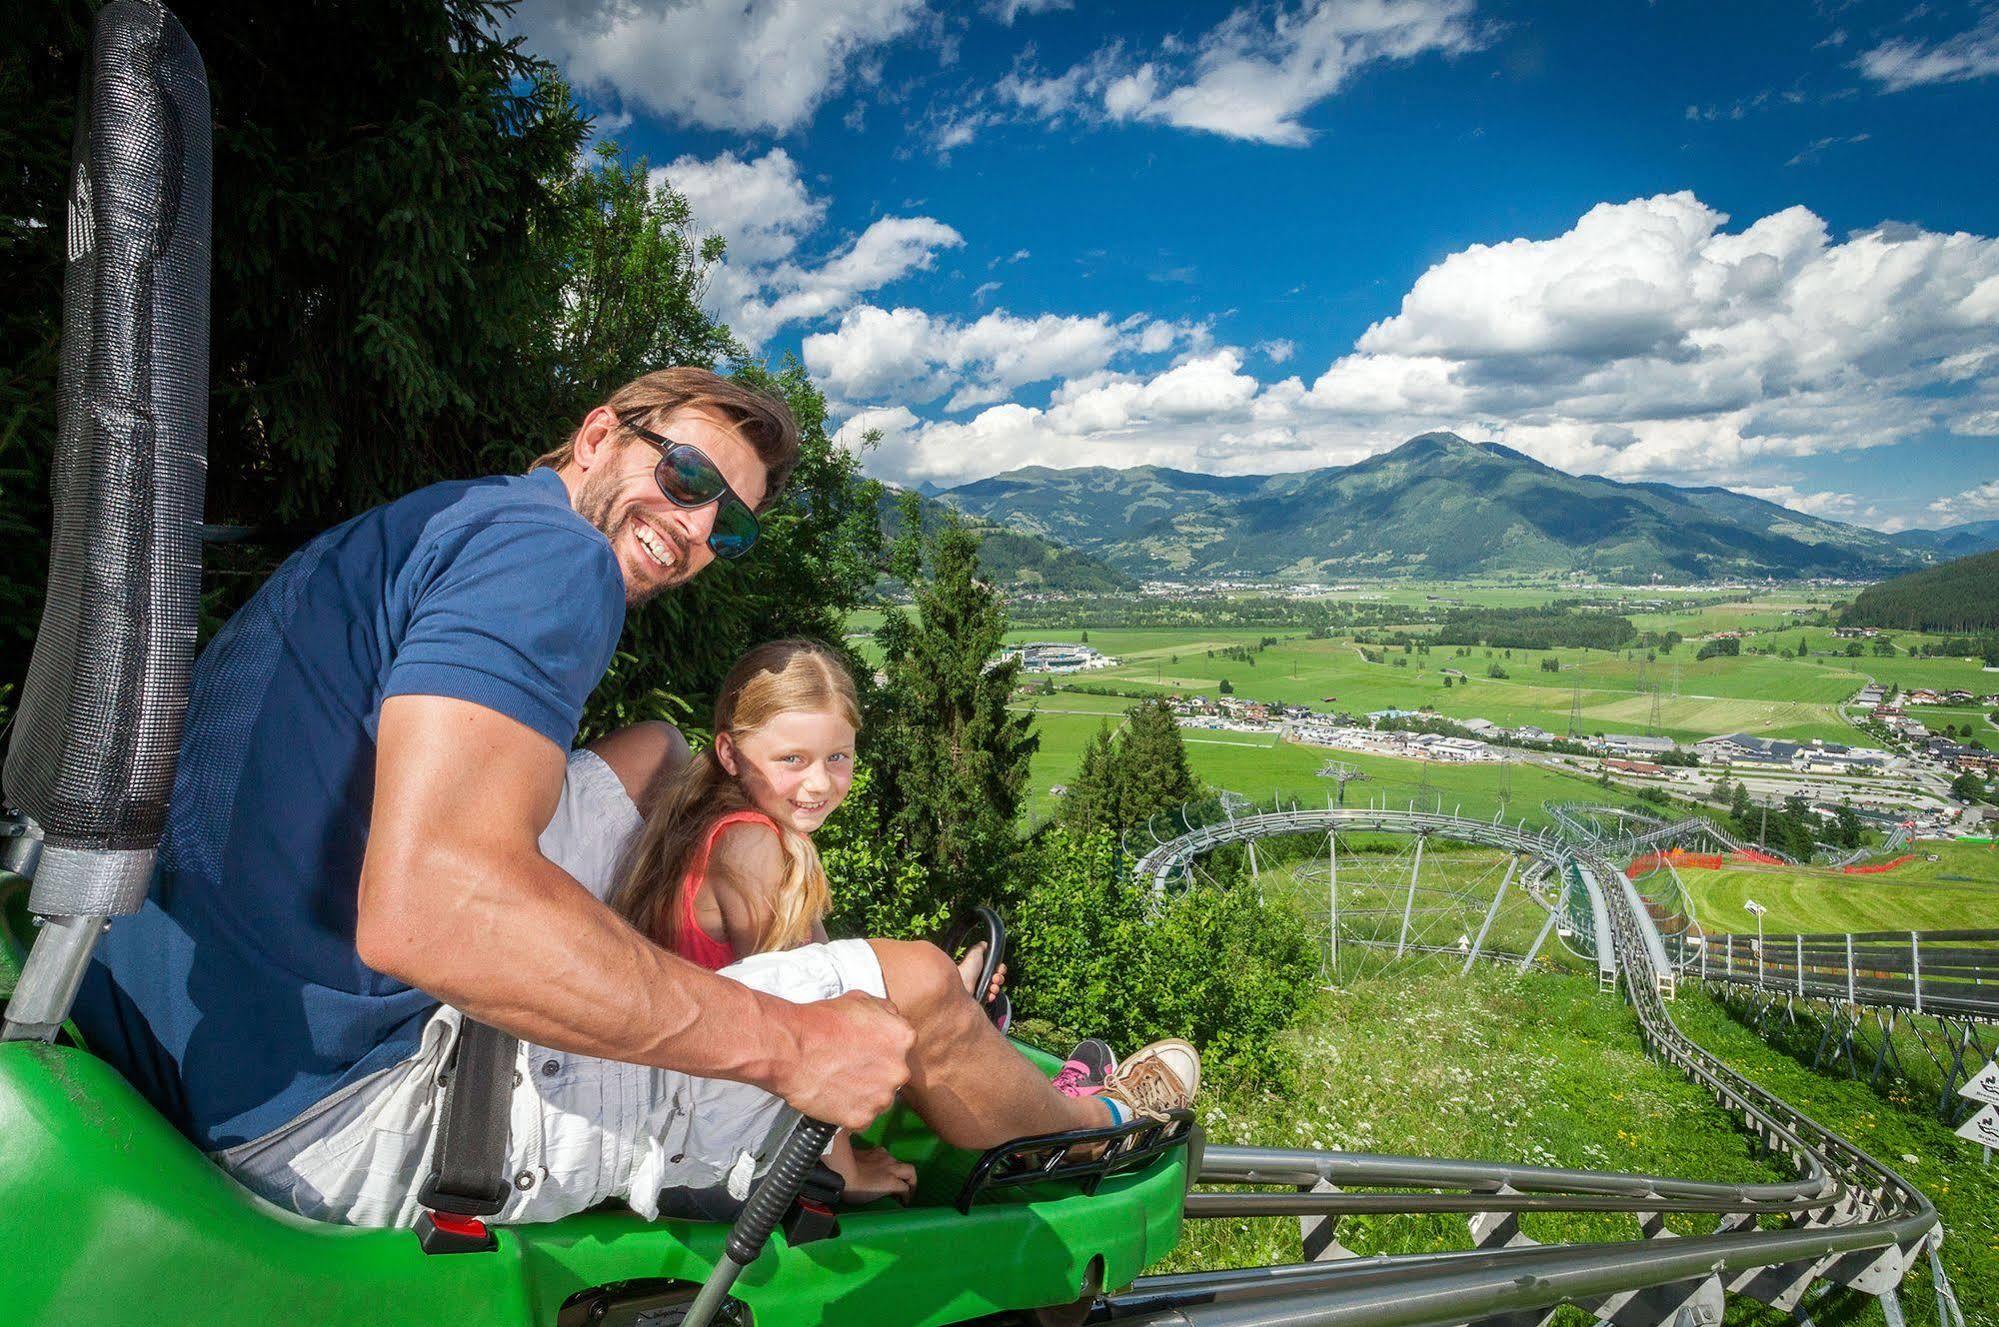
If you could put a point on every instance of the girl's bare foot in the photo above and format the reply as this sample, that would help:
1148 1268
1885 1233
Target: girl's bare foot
969 967
871 1173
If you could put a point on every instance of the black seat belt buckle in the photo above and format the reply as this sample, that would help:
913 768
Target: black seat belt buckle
813 1217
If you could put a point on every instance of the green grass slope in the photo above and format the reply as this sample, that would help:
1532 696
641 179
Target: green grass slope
1958 891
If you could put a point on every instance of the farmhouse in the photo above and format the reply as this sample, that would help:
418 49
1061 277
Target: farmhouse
1642 769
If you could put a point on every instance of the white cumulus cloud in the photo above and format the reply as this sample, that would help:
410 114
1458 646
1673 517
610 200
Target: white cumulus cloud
1649 340
1974 504
721 64
1251 77
768 216
910 355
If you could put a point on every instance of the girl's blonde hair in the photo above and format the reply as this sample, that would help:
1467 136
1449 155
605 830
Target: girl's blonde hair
781 677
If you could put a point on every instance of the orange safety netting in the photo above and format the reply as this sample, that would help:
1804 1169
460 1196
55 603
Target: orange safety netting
1652 861
1875 868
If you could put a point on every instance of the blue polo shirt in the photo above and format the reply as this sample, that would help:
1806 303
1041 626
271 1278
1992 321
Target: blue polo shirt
236 999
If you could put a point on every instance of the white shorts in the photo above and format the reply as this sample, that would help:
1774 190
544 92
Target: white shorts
583 1130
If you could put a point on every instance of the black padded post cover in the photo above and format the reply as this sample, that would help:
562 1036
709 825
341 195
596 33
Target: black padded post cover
94 742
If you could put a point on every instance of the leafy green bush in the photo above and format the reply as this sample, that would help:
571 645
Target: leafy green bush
1093 954
880 890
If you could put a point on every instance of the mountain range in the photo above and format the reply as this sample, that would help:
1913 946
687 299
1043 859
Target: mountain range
1437 506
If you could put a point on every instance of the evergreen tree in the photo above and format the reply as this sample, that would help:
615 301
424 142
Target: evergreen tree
1739 805
951 759
1094 797
1153 774
1225 689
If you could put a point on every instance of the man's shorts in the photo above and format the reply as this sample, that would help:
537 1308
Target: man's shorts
583 1130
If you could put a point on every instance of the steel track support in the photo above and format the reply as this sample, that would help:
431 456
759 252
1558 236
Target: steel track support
1319 1235
1696 1303
1547 929
1512 863
1409 902
1497 1230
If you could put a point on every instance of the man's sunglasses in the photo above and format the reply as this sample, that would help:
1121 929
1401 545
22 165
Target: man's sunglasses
689 479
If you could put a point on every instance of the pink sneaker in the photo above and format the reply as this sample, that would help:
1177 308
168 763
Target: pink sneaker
1087 1069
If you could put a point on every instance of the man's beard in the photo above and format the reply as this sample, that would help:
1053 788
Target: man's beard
598 503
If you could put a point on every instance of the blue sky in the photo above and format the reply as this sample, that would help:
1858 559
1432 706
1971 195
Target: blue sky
1748 245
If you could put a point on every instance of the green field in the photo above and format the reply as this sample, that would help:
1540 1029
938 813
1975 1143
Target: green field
1958 891
1757 692
1264 768
1768 696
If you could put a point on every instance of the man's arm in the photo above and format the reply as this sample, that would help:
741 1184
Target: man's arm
457 900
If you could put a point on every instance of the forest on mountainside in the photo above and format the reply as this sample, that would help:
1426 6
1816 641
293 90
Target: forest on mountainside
1960 596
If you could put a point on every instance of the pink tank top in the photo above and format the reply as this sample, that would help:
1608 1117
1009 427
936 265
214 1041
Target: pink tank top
694 944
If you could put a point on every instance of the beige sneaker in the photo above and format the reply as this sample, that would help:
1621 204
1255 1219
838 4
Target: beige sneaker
1159 1078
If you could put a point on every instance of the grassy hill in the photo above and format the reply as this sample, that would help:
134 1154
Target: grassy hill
1958 596
1437 506
1958 890
1023 561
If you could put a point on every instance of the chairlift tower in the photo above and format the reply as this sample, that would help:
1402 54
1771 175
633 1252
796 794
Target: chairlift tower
1344 773
1575 713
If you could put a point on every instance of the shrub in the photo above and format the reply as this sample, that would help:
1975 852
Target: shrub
1094 955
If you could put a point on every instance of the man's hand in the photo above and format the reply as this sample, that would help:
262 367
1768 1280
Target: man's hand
852 1057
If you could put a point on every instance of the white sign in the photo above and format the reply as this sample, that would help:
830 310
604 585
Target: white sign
1984 1085
1982 1127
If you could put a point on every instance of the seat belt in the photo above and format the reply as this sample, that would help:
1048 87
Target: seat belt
468 1166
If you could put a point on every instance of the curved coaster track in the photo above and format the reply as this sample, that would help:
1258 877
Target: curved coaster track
1846 1220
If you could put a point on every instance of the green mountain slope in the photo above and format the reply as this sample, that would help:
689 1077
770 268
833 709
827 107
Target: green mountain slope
1021 561
1435 506
1954 541
1958 596
1093 507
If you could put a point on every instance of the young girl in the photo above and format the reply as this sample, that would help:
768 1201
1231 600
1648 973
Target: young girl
724 865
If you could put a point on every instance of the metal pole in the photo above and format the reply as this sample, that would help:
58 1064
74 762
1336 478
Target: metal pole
1849 967
1799 942
1491 912
1333 895
1539 940
1759 949
1916 967
1409 902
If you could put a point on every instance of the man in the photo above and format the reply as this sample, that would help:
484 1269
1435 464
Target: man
375 751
